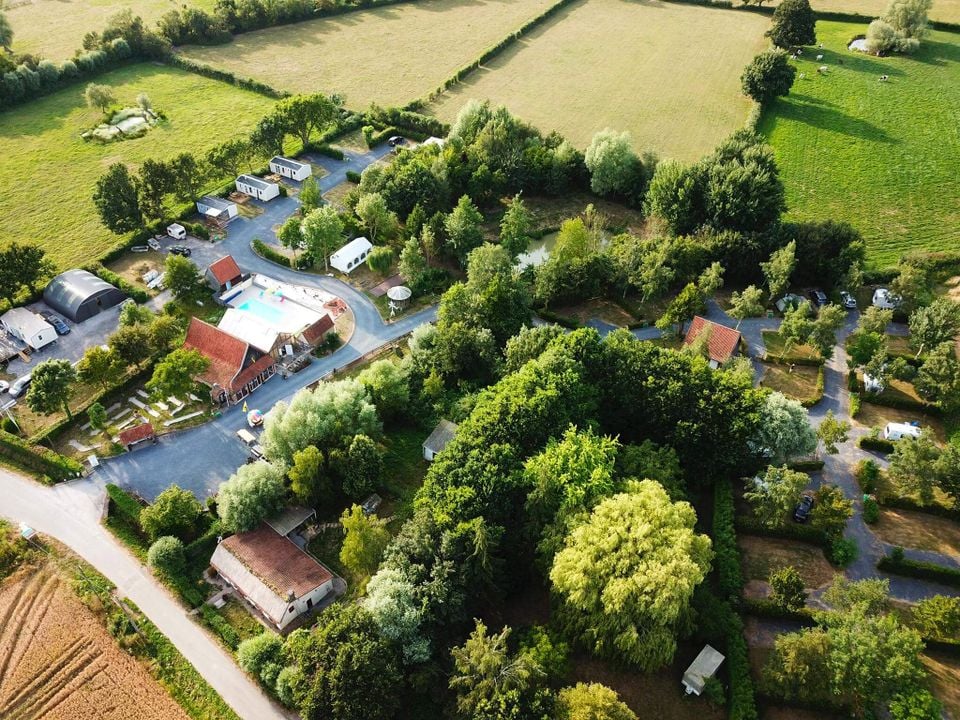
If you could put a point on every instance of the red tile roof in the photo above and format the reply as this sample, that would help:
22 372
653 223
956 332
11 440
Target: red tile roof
315 332
723 341
226 353
136 434
225 269
249 373
277 561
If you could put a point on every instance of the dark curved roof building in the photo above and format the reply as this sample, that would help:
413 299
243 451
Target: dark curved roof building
79 294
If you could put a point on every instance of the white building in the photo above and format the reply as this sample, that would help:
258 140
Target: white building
217 209
347 258
28 327
440 437
272 574
701 669
257 187
285 167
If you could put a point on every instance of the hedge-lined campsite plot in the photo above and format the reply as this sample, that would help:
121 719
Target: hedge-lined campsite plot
389 55
49 173
58 663
668 73
880 155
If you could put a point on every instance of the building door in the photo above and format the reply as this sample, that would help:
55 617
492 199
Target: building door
309 603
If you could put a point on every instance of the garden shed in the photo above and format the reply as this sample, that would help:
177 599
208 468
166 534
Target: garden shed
285 167
347 258
257 187
703 668
79 294
440 437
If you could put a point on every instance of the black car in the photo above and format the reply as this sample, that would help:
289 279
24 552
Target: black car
58 324
819 298
802 512
396 141
180 250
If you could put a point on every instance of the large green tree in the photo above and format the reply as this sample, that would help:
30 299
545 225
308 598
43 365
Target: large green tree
793 24
52 385
381 222
389 386
591 701
118 200
309 480
937 323
183 277
177 373
768 76
304 115
322 231
615 169
626 576
938 379
365 538
784 430
516 226
174 512
131 344
254 492
778 269
463 230
774 494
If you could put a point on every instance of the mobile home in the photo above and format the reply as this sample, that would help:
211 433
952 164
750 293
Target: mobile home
257 187
28 327
285 167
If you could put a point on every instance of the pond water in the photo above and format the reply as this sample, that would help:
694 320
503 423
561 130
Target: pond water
537 251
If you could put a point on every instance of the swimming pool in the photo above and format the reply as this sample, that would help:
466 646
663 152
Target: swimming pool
263 311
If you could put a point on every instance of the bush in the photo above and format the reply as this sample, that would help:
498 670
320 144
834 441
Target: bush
792 531
324 149
138 294
807 466
167 556
875 443
768 76
353 176
268 253
920 570
38 459
9 425
905 503
729 575
260 656
216 622
871 510
766 608
843 551
854 404
380 259
896 554
126 507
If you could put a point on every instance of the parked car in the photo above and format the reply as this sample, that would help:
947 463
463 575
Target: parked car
180 250
818 298
848 300
58 324
20 385
802 513
4 386
396 140
885 300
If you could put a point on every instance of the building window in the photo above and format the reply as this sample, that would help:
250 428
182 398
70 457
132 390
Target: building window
292 608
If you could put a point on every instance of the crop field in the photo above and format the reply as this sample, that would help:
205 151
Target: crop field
668 73
58 663
55 28
48 173
880 155
389 55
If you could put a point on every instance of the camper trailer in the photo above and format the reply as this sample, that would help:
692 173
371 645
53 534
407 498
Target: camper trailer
898 431
177 231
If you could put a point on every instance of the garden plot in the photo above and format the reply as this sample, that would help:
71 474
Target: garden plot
58 663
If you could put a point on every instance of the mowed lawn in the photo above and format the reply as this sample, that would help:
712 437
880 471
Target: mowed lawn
942 10
389 55
48 174
884 156
55 28
668 73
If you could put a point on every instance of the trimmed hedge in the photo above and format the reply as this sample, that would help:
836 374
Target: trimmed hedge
920 570
353 176
766 608
875 443
268 253
807 466
727 563
38 459
226 76
216 622
790 531
560 320
901 403
417 125
324 149
138 294
902 503
127 507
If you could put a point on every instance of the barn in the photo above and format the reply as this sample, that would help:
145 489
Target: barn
79 294
285 167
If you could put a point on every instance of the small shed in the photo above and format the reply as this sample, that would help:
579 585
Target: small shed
703 668
347 258
285 167
440 437
257 187
79 294
136 435
28 327
224 274
290 519
216 209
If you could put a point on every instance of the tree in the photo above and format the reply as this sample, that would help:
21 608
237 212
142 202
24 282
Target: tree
913 466
131 344
682 308
527 345
143 102
875 320
310 197
912 286
27 264
254 492
307 480
230 156
591 701
677 196
99 96
376 216
398 609
831 432
775 494
261 656
189 176
97 414
938 379
322 231
862 346
918 704
900 28
183 277
164 330
747 304
167 555
6 33
515 227
742 187
133 314
389 387
51 387
176 373
268 135
768 76
787 589
937 617
302 115
117 200
290 236
173 512
823 329
831 510
154 182
627 600
364 467
380 259
365 539
413 265
793 24
614 167
99 366
796 327
462 226
934 324
784 430
778 269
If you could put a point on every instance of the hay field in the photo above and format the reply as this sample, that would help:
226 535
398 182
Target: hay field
55 28
668 73
48 173
883 156
58 663
390 55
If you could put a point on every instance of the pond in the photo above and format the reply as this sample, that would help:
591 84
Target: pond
537 251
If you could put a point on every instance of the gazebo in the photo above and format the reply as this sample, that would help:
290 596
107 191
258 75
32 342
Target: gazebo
399 296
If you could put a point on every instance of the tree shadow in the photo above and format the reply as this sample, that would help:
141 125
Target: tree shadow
825 117
933 52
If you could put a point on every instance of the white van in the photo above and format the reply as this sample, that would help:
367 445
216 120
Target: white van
898 431
885 300
177 231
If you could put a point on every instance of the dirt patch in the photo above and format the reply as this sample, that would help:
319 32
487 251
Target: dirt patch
337 195
919 530
58 663
597 309
761 556
945 675
798 381
131 266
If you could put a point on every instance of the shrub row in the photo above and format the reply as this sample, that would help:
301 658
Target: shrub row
921 570
353 176
373 138
38 459
877 444
417 125
216 622
324 149
790 531
268 253
125 505
225 76
903 503
900 403
743 703
807 466
138 294
766 608
791 359
729 574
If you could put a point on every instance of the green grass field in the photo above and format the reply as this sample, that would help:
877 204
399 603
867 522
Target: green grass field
48 173
943 10
390 55
883 156
55 28
668 73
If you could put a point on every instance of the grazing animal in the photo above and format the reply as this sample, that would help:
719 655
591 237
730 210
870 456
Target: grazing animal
884 78
819 57
822 69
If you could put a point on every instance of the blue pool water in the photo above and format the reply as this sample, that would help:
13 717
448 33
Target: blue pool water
263 311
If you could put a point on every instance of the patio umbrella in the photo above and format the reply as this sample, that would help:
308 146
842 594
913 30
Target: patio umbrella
254 417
